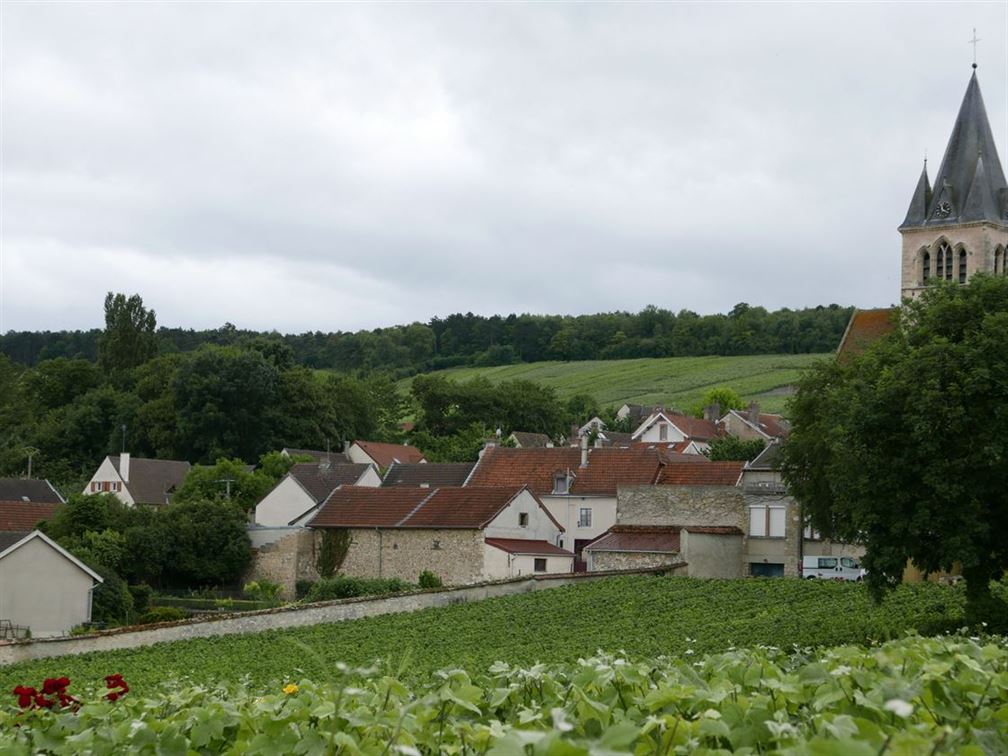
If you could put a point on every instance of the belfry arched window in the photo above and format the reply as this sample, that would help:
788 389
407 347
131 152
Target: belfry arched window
962 265
940 260
925 267
999 266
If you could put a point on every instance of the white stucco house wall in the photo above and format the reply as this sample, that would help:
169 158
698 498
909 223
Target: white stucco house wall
305 486
42 585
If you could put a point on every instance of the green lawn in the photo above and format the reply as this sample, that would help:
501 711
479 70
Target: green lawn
644 616
679 381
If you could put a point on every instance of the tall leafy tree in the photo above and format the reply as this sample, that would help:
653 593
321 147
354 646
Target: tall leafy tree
129 338
905 448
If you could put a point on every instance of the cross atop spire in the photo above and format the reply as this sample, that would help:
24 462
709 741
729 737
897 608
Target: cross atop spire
974 43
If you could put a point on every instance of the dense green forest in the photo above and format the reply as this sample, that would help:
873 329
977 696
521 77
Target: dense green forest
478 340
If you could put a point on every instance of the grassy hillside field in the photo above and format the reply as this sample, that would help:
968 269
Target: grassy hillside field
679 381
642 616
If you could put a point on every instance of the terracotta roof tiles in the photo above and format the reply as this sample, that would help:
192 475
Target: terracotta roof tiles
406 507
385 454
520 546
864 328
22 517
691 474
607 468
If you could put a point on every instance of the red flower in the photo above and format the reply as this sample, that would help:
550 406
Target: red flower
25 696
117 685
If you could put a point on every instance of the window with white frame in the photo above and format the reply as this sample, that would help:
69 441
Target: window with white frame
767 520
584 517
663 431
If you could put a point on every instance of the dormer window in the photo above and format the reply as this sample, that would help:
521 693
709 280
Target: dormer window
561 483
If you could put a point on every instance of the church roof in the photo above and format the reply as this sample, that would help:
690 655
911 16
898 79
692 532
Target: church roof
970 178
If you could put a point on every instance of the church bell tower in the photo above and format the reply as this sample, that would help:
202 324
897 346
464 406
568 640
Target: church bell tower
958 226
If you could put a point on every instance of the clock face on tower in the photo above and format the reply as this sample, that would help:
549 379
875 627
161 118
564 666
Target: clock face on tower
944 209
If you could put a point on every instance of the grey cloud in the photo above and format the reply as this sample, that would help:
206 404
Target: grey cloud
313 166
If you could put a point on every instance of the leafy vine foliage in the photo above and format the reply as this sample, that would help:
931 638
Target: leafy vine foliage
333 548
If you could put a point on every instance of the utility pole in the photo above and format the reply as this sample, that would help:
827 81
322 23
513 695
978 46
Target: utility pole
31 451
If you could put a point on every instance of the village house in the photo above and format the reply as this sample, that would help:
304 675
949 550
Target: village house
463 535
44 589
663 426
29 489
137 480
577 485
305 486
750 423
382 456
428 474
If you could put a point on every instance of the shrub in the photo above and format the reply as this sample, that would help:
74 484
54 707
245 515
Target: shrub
162 614
263 590
302 588
141 593
341 586
430 580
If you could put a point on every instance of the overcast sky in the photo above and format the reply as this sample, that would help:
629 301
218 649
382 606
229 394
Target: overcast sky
341 166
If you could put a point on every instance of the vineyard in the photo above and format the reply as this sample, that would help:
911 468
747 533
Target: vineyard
678 381
641 616
910 696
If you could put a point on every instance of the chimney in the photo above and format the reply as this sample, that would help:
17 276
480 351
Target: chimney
124 466
754 413
584 451
712 412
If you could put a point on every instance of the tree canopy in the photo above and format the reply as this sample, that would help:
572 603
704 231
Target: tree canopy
905 447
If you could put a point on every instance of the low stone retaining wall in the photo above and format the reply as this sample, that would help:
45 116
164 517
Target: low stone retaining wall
313 614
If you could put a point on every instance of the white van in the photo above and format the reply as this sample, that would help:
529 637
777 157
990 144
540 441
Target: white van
831 568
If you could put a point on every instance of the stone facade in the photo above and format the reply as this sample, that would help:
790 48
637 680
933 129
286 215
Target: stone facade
978 239
454 555
681 505
285 560
631 560
719 556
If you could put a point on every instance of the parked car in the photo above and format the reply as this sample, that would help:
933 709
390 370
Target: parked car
831 568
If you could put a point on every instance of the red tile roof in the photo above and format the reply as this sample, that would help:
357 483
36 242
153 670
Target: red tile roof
694 428
653 538
690 474
22 517
865 327
607 468
672 449
663 540
385 454
520 546
403 507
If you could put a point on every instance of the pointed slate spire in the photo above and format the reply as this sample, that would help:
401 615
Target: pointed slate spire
971 155
917 213
980 202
